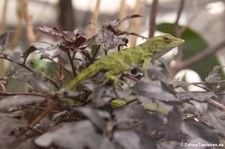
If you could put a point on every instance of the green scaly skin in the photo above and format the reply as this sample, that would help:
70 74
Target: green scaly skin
128 58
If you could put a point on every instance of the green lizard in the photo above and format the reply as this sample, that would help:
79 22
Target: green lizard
128 58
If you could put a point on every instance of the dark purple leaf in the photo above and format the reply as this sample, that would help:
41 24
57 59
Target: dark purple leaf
49 30
74 38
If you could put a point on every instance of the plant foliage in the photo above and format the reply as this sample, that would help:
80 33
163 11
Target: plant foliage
145 113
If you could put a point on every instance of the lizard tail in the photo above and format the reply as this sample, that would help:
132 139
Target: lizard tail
86 73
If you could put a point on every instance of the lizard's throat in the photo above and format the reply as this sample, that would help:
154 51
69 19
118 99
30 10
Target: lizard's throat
159 53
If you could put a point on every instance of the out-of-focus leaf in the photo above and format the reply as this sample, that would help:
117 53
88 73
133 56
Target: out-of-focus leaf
8 124
194 43
198 96
72 136
19 100
3 39
214 76
93 116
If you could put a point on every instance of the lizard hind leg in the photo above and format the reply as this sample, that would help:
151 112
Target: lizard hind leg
110 75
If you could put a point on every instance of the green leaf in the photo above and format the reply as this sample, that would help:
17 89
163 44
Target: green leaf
194 43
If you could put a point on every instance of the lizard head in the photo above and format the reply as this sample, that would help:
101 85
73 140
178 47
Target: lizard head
163 44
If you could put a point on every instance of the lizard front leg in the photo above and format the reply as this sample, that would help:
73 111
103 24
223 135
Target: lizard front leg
145 66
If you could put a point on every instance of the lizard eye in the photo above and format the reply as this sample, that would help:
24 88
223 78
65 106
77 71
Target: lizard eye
167 39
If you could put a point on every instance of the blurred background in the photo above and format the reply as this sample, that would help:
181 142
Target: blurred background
200 22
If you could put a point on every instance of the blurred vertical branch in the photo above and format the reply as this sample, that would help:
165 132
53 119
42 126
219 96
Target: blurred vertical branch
176 23
193 15
177 31
3 21
16 34
30 33
123 12
153 13
94 19
66 17
136 23
2 29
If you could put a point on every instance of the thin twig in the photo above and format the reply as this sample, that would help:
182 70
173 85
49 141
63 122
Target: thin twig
152 15
4 93
176 23
216 104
